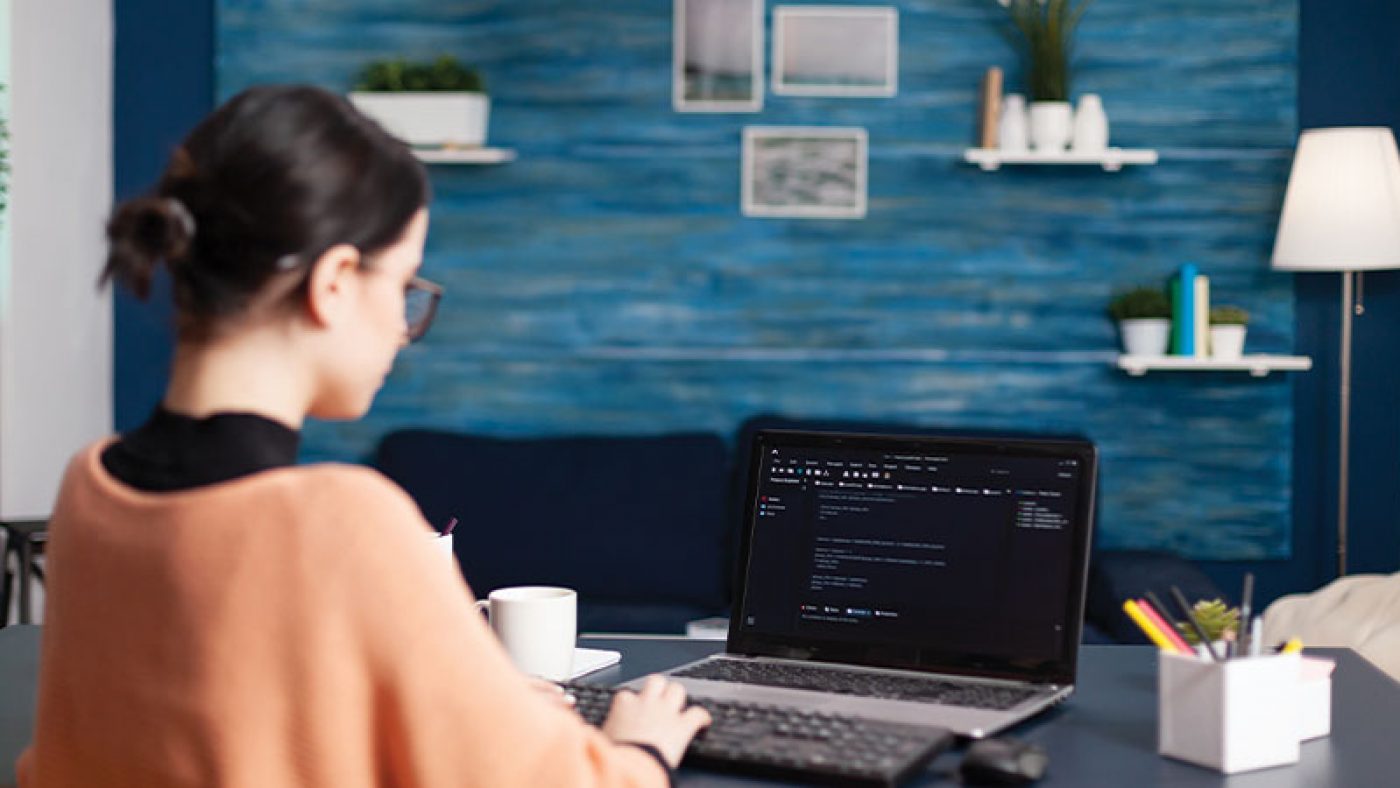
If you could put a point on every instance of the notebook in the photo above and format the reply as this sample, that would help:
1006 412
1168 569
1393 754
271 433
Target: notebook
911 579
590 660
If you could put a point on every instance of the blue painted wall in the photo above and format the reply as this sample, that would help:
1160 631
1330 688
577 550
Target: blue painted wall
1348 73
1351 77
607 283
163 83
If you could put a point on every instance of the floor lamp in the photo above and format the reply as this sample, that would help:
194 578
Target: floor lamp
1342 213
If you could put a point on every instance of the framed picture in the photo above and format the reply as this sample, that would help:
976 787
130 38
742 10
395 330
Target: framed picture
717 56
835 50
805 172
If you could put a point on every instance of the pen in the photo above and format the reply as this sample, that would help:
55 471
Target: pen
447 529
1246 598
1145 624
1167 616
1195 625
1156 617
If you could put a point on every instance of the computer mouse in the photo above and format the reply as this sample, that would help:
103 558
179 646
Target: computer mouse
1003 762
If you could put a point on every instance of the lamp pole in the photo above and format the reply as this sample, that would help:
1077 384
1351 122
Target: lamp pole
1344 436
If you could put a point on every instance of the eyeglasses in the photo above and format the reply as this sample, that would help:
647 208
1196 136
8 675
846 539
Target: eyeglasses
420 298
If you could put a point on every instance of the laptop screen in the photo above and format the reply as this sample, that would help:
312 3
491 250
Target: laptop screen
938 554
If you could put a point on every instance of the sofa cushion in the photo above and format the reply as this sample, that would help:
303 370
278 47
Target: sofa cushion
1360 612
633 523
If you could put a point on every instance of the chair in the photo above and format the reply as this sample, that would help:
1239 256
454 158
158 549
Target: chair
24 540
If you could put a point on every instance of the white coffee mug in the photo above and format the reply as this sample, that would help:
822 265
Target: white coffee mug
537 625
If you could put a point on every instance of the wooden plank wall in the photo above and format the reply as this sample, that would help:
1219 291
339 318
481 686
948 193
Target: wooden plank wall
607 283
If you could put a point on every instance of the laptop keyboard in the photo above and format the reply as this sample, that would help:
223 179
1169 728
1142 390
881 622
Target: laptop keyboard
866 685
786 743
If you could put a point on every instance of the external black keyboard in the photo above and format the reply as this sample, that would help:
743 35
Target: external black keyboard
782 742
866 685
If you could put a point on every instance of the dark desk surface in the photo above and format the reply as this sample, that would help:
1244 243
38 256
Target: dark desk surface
1105 735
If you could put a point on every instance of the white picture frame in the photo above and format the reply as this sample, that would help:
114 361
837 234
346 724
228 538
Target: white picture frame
805 172
841 51
713 42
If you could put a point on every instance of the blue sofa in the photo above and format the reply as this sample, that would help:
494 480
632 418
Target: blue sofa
638 525
646 527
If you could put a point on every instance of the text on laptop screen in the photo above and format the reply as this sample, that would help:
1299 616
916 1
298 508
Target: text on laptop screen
945 551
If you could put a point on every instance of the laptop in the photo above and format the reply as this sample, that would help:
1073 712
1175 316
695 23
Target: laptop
926 580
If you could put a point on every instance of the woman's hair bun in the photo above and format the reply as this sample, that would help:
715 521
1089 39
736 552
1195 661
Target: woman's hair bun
142 233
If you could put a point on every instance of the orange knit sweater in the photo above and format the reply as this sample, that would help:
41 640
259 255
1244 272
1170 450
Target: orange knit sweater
291 628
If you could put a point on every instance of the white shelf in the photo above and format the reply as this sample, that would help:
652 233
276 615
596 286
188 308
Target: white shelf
1112 160
464 155
1257 365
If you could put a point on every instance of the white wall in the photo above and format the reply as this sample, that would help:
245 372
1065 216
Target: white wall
55 326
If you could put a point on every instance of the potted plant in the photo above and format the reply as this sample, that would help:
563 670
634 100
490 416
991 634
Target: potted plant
1144 317
439 103
1227 328
1217 619
1046 28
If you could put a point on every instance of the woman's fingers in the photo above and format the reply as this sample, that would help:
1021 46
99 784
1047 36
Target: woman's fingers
695 718
654 686
554 692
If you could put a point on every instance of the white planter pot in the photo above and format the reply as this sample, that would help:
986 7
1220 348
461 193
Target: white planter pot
429 119
1090 125
1148 337
1227 341
1051 123
1011 130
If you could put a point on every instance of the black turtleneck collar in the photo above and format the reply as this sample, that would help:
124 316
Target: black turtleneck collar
174 452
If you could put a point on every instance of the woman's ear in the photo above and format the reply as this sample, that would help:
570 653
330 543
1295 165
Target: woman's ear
331 285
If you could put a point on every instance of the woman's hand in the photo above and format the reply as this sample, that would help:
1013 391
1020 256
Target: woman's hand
657 716
553 692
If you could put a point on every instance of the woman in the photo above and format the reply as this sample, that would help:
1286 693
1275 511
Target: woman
217 616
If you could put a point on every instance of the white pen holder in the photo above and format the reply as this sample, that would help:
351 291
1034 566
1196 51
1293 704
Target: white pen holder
1231 716
1315 698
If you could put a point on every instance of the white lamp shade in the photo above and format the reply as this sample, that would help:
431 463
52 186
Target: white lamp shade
1342 208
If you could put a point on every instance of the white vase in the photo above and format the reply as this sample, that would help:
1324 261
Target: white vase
429 118
1146 337
1011 128
1051 124
1227 341
1090 125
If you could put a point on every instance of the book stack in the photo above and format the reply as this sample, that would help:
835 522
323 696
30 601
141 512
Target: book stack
1190 291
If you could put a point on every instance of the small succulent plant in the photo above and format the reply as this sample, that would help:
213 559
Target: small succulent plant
1140 303
1215 617
1228 316
446 73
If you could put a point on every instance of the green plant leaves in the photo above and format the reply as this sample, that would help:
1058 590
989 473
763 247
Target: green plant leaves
1140 303
444 74
1226 315
1047 27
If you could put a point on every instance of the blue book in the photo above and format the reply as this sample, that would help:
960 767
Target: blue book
1184 316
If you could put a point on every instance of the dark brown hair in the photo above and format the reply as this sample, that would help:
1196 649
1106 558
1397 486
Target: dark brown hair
262 187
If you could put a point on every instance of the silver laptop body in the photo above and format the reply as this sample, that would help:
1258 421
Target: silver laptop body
831 483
